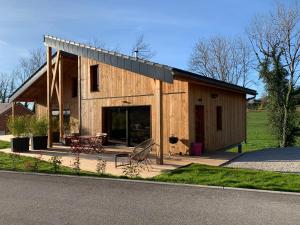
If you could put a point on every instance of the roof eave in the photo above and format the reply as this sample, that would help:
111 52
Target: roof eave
214 81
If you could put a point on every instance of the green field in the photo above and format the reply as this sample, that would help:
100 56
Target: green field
259 132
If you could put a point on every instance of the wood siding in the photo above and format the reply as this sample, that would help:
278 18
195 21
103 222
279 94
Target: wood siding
233 116
119 87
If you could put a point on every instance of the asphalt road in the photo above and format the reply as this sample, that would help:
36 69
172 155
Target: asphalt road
33 199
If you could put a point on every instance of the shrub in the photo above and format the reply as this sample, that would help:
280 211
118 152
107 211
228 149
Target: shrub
19 126
132 170
38 126
56 162
76 164
101 166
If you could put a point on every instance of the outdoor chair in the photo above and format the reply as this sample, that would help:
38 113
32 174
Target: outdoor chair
140 154
97 144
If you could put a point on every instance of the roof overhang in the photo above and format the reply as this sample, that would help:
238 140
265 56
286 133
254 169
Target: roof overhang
32 79
214 82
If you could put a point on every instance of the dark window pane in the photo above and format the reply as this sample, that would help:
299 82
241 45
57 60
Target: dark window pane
94 78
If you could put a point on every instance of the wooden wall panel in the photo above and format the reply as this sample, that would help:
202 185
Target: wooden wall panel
119 87
233 116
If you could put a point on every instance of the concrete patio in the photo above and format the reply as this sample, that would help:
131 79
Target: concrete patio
88 162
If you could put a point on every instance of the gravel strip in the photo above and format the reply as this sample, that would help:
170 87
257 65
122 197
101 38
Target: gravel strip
275 159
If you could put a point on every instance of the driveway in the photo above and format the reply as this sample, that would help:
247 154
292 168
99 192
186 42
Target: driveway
275 159
41 199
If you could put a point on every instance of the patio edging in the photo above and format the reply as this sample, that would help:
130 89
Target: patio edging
154 182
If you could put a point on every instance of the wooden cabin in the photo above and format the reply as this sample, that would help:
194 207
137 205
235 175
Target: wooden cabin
131 99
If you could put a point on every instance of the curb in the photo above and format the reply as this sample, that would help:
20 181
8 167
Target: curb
155 182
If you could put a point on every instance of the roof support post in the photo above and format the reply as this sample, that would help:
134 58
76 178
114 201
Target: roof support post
159 121
49 107
79 95
13 109
60 98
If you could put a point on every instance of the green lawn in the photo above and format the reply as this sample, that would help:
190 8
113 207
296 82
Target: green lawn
259 132
231 177
25 164
4 144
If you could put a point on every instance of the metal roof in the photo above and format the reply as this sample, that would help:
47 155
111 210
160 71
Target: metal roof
136 65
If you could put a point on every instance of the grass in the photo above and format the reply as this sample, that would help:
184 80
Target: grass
193 174
231 177
4 144
25 164
259 133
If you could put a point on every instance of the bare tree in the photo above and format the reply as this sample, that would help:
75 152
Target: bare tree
97 43
221 58
7 86
142 49
277 35
28 65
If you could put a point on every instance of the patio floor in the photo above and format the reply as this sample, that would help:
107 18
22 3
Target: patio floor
88 162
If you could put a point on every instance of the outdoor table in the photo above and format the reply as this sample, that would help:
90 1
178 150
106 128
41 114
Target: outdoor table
88 143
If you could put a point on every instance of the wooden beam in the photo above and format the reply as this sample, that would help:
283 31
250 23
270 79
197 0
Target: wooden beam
159 121
49 108
55 74
13 109
60 101
79 94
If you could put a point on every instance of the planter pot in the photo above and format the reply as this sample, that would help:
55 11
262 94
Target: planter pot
55 136
39 142
20 144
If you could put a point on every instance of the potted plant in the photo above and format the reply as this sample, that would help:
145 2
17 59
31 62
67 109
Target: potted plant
39 129
18 127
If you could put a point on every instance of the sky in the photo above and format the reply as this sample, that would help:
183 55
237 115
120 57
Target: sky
171 27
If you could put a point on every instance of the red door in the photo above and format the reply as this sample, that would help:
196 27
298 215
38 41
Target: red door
199 124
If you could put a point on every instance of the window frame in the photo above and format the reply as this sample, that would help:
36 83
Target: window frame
94 83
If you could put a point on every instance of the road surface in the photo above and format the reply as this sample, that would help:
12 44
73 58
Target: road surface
38 199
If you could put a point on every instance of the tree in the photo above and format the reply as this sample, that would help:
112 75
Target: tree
221 58
142 49
28 65
7 86
275 38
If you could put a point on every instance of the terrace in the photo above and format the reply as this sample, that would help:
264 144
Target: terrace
88 162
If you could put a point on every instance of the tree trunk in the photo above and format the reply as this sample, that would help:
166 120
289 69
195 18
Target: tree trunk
285 117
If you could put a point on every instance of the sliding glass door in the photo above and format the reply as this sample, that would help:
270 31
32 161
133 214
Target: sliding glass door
127 125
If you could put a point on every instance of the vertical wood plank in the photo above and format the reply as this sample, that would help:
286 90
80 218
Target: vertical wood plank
61 98
79 94
13 109
159 121
49 108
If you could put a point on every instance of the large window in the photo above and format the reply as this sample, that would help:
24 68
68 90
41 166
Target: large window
94 78
219 117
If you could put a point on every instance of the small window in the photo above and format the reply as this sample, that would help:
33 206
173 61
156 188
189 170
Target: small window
94 78
74 88
219 117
